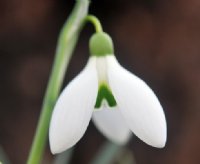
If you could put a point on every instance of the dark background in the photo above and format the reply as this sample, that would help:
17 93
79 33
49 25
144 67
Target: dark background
158 40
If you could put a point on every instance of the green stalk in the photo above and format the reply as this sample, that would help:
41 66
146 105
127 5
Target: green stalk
66 43
107 153
95 21
111 153
64 157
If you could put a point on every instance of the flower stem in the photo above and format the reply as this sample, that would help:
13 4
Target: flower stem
95 21
107 153
66 43
64 157
111 153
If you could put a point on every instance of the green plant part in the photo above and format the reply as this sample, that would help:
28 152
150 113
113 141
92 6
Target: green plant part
105 93
101 44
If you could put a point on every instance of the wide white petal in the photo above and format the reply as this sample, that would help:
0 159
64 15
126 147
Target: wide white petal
73 109
111 124
138 104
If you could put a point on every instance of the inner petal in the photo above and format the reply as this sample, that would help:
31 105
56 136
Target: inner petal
104 96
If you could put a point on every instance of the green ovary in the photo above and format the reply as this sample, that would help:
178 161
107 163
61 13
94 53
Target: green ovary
105 93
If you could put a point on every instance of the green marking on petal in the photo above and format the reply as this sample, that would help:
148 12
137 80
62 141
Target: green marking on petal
105 93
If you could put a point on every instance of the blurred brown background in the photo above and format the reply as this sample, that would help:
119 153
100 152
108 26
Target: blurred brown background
158 40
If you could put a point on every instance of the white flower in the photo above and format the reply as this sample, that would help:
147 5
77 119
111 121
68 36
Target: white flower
115 99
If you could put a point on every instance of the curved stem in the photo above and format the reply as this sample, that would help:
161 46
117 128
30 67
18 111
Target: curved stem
95 21
66 43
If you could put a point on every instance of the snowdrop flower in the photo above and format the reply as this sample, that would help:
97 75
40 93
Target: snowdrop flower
118 102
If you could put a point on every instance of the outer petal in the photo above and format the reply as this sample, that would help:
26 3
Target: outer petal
138 104
111 123
73 109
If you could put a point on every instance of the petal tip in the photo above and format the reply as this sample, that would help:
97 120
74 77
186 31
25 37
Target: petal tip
162 143
55 147
53 151
57 142
59 147
159 143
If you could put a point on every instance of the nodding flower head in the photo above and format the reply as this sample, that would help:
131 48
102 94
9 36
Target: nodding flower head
117 101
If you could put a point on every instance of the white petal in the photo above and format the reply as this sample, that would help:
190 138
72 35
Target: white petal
73 109
111 124
138 104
